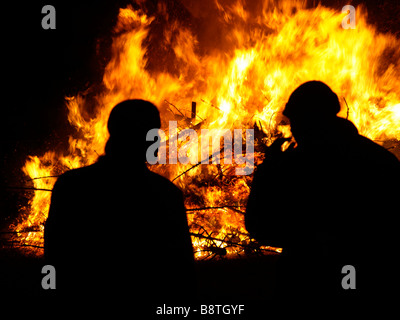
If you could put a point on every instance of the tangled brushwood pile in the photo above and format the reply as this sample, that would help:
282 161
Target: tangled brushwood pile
239 61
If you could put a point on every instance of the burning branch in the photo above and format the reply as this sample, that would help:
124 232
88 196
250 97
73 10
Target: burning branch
46 177
198 163
221 207
219 247
348 109
166 101
193 110
28 188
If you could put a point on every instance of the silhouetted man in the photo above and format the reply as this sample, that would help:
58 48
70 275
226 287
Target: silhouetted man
328 203
115 229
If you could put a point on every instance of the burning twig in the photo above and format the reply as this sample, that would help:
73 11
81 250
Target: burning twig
214 248
17 243
166 101
17 232
220 173
248 245
210 104
348 109
46 177
221 207
193 110
269 124
28 188
198 163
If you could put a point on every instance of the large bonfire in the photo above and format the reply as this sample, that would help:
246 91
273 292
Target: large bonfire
239 69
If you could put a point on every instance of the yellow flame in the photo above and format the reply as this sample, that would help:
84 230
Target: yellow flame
246 80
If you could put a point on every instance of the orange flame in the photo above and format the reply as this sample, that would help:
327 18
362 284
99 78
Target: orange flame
245 79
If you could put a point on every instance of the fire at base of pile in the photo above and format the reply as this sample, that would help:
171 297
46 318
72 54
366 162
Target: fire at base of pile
239 63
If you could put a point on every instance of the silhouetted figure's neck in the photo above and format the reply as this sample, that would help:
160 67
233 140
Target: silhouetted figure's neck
124 155
126 163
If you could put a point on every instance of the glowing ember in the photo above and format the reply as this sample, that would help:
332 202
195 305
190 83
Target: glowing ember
240 83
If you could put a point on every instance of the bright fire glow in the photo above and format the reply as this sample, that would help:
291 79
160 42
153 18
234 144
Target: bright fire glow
241 81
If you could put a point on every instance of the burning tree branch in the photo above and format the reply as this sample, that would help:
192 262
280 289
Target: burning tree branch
198 163
221 207
29 188
46 177
219 247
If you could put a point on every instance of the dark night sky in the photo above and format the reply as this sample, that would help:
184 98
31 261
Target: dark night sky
40 67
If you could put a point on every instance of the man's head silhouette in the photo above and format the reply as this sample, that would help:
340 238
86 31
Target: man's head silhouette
311 108
128 125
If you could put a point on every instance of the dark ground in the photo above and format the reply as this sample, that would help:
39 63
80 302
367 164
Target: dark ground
241 281
218 279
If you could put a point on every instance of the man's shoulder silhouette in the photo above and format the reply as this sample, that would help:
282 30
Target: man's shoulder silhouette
328 202
103 172
116 218
376 152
